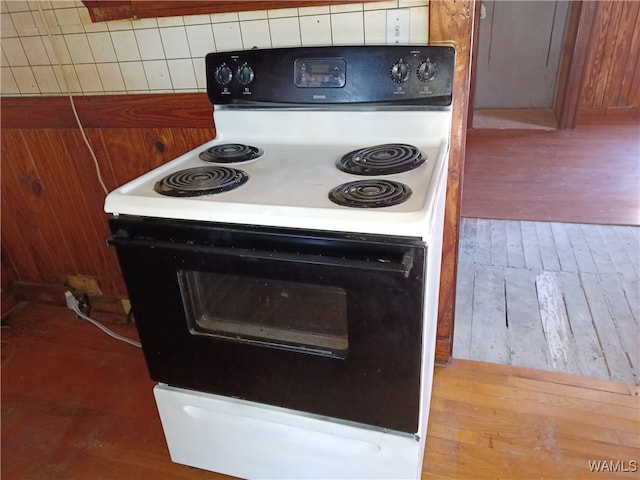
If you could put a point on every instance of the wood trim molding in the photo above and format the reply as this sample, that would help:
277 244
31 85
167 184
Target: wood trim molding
109 111
608 115
574 62
451 23
474 62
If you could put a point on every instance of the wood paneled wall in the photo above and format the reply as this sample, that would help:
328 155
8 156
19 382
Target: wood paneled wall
53 224
611 84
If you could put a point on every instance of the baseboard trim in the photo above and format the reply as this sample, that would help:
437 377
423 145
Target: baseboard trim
608 115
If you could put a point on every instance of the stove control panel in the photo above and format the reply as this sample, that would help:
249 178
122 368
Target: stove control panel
393 74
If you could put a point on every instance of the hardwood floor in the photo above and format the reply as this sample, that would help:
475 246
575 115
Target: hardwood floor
77 404
555 296
587 175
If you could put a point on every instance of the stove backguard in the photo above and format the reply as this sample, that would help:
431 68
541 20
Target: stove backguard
339 75
326 323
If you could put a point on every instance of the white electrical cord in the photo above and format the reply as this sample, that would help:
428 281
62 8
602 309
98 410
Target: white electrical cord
74 304
73 105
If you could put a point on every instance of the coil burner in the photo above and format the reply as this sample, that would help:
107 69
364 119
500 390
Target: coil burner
374 193
230 153
194 182
382 159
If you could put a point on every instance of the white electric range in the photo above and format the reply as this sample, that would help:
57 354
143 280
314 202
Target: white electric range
284 276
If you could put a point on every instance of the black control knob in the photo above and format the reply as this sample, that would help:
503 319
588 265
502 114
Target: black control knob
223 74
427 71
245 74
400 71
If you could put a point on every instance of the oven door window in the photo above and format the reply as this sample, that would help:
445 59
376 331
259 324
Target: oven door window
272 313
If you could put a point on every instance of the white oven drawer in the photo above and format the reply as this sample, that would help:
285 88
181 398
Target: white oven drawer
255 441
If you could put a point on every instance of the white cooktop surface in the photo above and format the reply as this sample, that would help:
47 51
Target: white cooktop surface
288 186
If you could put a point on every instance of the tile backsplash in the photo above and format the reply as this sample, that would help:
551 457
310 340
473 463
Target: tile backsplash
51 46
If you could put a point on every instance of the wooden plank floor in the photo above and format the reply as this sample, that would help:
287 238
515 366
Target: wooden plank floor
587 175
77 404
548 295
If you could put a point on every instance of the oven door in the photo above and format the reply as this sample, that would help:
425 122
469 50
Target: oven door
326 323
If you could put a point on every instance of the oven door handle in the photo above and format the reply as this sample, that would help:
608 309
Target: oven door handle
379 264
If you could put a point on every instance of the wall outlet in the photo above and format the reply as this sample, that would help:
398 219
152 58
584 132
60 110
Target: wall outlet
398 26
83 283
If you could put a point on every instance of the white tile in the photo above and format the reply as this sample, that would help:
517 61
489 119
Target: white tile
6 26
119 25
140 23
13 51
133 76
182 74
22 20
17 6
149 44
282 13
79 49
197 19
285 32
96 27
224 17
8 85
347 28
59 52
375 27
255 33
89 78
302 11
43 4
67 79
124 42
174 40
36 53
227 36
157 73
101 47
85 18
111 77
255 15
412 3
72 29
419 25
200 39
350 7
170 21
29 32
201 73
381 5
47 18
68 16
315 30
46 79
63 3
25 80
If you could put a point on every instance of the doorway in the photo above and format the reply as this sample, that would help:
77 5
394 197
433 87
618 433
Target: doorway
517 61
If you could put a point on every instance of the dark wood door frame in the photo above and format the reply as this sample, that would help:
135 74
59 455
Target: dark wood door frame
573 63
577 43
